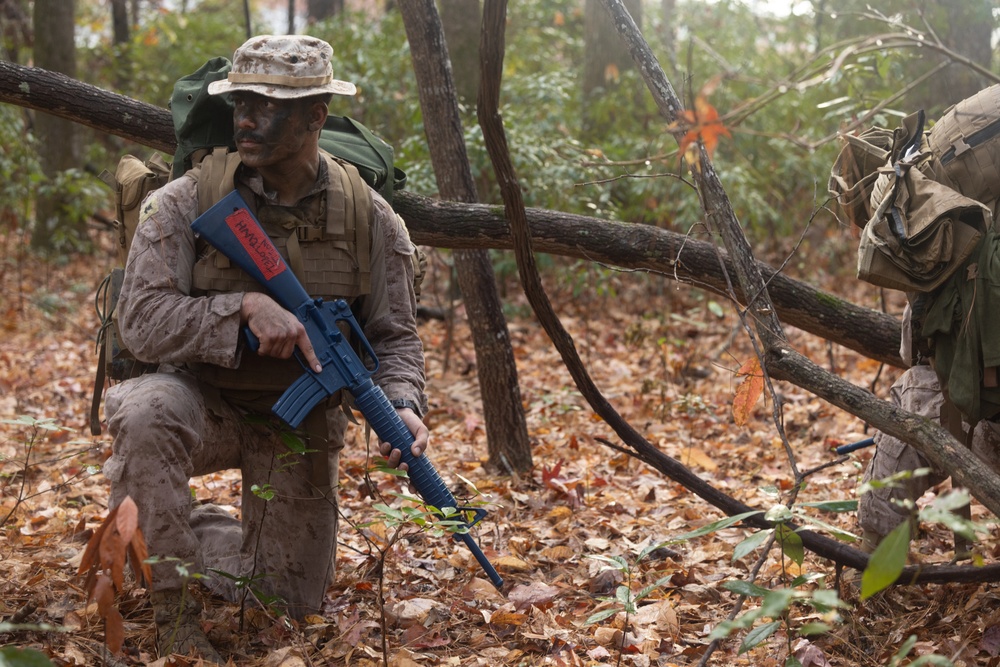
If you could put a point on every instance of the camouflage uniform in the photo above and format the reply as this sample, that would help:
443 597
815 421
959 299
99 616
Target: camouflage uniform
173 424
917 390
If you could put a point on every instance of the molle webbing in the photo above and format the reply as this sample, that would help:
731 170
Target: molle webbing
355 205
965 143
325 239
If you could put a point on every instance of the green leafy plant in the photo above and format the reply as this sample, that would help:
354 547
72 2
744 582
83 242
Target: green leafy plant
889 557
626 599
804 590
408 515
12 656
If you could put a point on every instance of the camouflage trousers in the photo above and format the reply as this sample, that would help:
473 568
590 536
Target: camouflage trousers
167 428
917 391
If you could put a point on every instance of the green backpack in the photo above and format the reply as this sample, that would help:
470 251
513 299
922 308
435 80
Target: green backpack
203 123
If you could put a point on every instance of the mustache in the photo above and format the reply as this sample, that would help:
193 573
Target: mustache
249 135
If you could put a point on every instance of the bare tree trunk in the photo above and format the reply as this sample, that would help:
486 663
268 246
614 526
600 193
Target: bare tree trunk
506 428
58 150
15 29
318 10
461 20
604 58
119 22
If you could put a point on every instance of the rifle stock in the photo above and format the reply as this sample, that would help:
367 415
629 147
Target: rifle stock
233 230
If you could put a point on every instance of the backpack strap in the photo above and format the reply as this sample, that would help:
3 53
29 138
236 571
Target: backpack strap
216 173
215 178
349 198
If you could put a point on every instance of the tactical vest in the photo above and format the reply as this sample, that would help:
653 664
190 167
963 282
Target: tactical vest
325 239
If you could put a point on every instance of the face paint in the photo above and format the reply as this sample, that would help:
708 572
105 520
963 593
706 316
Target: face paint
268 132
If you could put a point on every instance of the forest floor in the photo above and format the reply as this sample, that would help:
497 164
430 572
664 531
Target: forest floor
664 355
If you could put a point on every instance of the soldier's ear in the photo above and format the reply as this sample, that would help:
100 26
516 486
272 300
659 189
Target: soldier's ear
317 113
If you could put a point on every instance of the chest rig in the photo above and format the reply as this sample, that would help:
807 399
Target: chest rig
325 239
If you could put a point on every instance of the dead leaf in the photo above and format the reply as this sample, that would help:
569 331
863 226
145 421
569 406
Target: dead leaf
990 641
127 519
410 611
810 655
538 594
558 553
701 124
749 390
284 657
695 456
511 564
605 582
507 618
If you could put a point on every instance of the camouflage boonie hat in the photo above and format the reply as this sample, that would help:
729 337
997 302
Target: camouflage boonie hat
283 67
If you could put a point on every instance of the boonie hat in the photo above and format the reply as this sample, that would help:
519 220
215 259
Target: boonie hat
284 67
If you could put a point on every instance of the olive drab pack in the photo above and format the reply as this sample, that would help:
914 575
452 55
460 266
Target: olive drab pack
925 200
203 125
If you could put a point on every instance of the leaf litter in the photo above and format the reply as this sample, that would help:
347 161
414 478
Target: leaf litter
659 353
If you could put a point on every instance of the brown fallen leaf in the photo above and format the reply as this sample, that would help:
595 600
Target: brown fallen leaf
511 564
536 594
508 618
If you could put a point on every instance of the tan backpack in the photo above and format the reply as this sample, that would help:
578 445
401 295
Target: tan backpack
923 199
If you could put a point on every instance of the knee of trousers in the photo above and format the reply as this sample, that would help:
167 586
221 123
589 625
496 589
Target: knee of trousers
160 401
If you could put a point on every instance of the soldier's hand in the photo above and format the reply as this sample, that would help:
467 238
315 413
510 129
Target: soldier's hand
278 331
420 435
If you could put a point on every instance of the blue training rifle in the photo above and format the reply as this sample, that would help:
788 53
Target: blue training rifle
234 231
854 446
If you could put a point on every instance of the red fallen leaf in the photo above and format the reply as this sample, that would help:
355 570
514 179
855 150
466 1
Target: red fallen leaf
749 390
550 474
114 631
127 519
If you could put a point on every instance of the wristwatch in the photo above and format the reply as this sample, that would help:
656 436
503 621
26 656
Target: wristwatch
405 403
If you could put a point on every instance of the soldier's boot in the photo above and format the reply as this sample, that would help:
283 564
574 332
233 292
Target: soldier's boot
178 625
869 541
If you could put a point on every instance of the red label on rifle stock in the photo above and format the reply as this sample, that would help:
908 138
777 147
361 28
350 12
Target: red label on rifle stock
256 243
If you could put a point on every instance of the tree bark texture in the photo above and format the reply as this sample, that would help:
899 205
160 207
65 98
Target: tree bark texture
63 96
58 149
451 224
461 21
503 414
119 22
